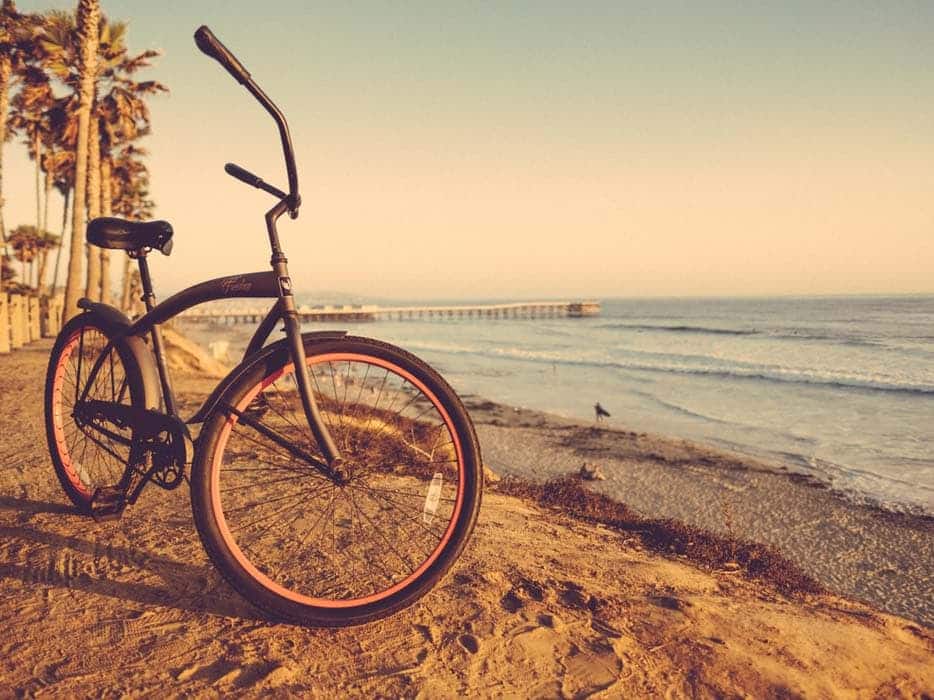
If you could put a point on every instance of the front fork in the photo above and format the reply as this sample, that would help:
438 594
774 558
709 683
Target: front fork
293 332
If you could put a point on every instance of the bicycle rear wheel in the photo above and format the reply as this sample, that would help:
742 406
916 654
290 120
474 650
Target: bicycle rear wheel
84 457
313 550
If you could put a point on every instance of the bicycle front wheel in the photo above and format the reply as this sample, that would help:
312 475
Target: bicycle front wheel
316 550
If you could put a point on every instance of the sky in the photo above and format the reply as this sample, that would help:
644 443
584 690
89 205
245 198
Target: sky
547 149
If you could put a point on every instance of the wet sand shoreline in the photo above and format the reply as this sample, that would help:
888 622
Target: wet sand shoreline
870 554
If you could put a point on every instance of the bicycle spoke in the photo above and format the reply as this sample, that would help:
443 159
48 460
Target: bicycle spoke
419 496
386 424
266 529
267 469
385 573
313 528
264 445
340 414
279 440
266 482
314 379
376 403
293 496
388 500
275 386
385 539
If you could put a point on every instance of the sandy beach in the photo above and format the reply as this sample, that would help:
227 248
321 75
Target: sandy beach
885 559
547 601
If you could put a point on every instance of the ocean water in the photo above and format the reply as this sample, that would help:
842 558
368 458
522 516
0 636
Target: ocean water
839 388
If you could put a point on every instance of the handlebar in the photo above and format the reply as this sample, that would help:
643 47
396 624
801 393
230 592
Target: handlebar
244 175
211 46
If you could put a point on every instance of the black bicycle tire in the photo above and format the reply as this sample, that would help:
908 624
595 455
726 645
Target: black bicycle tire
294 612
134 379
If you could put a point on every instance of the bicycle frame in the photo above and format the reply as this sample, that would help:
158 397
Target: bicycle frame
257 284
249 285
273 284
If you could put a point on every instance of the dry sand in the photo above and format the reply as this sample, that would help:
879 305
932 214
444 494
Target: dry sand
541 604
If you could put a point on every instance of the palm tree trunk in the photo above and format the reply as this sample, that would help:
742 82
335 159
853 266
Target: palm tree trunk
61 241
6 70
43 265
44 253
88 21
48 190
36 149
106 210
93 289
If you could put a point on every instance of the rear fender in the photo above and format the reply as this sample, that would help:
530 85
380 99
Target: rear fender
248 363
133 349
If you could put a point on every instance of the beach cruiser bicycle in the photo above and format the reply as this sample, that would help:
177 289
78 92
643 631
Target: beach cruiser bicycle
335 479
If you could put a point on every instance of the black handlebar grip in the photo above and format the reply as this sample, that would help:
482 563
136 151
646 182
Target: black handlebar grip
211 46
242 174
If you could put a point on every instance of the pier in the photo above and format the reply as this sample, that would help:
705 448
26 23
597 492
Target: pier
361 313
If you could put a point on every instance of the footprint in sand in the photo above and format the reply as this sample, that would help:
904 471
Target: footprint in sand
511 602
431 633
550 621
532 589
605 628
573 596
670 602
469 642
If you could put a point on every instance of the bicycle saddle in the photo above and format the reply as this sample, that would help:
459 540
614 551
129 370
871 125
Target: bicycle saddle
120 234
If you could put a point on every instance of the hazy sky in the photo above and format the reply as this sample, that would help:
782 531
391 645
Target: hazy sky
544 149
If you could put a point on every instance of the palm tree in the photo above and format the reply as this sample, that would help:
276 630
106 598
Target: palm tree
58 45
7 273
15 45
88 21
24 240
31 117
131 200
64 181
110 49
119 112
18 47
123 116
52 162
46 242
32 245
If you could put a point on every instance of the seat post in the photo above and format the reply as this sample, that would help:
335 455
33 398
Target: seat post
149 299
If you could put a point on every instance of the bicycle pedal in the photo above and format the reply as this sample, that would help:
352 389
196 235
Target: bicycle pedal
108 503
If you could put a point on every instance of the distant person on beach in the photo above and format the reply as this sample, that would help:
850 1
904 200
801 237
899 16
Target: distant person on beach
600 411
